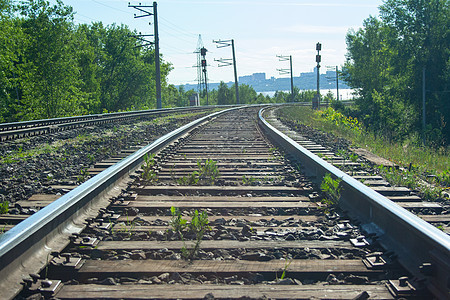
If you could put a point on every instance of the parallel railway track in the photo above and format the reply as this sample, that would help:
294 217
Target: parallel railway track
16 130
269 236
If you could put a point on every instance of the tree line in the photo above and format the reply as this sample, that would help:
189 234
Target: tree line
50 67
225 95
386 62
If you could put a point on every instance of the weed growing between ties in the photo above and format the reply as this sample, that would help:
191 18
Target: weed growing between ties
404 177
149 173
398 177
248 180
84 175
4 207
127 227
332 190
196 228
207 174
443 178
287 263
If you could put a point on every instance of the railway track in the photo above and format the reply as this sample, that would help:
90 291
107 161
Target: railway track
176 229
17 130
362 165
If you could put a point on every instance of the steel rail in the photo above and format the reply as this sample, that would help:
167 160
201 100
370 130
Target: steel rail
56 121
12 126
416 242
26 248
38 127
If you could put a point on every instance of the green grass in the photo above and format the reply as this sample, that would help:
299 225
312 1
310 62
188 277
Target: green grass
197 226
149 173
332 189
21 154
207 174
423 159
4 207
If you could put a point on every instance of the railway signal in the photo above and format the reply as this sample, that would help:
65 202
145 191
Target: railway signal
316 101
203 64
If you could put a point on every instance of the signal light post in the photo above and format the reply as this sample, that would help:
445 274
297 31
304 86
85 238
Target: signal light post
318 59
203 54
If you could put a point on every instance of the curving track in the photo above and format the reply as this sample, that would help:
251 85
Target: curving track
269 235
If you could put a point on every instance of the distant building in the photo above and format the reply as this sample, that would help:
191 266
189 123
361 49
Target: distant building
306 81
251 79
193 100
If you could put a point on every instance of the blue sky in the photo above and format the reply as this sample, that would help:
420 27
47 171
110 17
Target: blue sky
261 30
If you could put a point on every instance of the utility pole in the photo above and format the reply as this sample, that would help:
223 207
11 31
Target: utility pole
424 94
226 62
144 9
337 84
318 59
286 71
334 79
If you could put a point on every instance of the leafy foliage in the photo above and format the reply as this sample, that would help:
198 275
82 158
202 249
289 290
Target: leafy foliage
398 177
207 174
197 227
443 178
340 119
50 67
4 207
332 189
385 62
149 173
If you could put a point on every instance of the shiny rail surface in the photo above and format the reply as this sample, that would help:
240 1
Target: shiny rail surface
421 248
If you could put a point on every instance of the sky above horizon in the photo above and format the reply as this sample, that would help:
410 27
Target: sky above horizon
261 29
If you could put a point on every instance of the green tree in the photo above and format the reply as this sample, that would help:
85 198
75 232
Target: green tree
224 94
423 41
247 94
90 57
51 68
50 85
385 60
11 43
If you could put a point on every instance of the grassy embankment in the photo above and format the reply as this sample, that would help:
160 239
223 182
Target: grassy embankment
424 161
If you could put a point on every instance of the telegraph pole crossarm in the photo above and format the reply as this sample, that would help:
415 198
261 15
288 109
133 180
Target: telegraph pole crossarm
143 39
283 57
140 8
284 71
222 44
224 62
